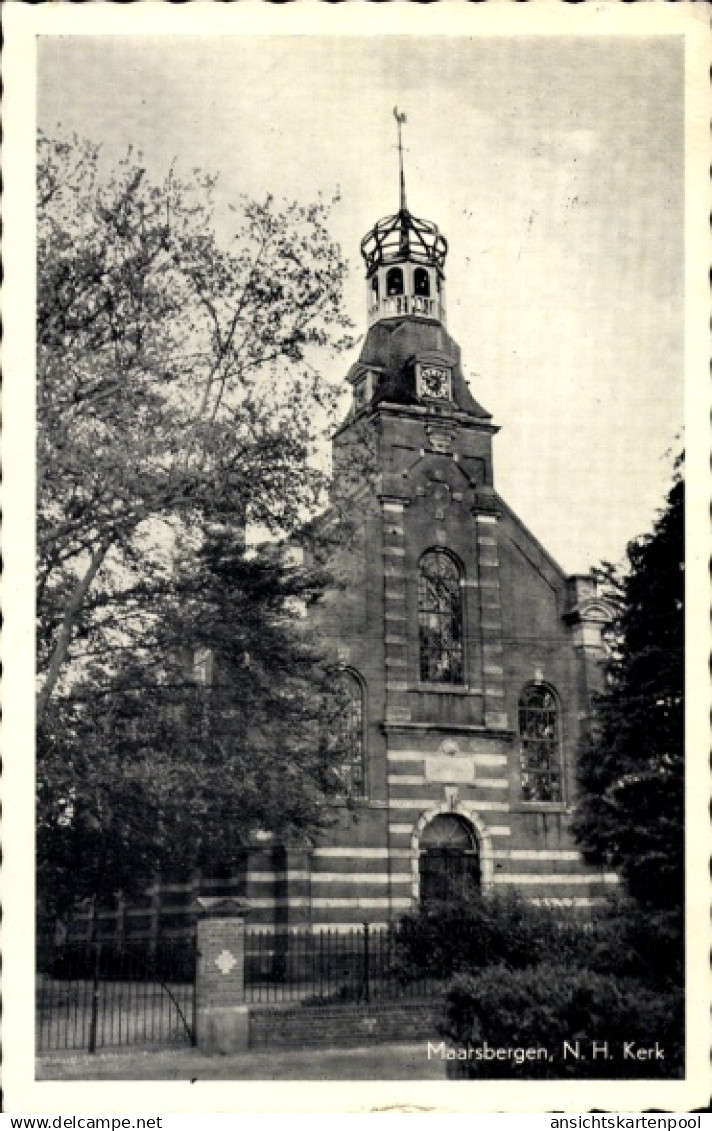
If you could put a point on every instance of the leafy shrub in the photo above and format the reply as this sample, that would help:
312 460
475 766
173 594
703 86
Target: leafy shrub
466 935
562 1011
638 942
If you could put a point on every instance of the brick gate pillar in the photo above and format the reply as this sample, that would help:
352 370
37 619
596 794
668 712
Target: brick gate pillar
221 1017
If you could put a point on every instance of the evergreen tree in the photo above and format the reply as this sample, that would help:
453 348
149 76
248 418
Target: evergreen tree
169 758
630 811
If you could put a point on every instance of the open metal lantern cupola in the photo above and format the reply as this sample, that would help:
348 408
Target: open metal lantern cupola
405 259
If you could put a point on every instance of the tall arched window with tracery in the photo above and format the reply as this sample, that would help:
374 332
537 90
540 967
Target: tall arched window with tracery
348 732
540 744
440 621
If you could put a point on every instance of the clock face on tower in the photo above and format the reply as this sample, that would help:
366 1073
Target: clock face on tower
434 382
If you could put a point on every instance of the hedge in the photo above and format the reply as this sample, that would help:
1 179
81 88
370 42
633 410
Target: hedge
578 1024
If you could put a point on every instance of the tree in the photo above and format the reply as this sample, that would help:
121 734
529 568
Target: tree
630 810
176 381
221 726
178 400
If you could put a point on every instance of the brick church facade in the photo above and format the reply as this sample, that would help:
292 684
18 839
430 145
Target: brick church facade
466 656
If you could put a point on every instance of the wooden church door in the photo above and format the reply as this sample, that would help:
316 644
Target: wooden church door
449 860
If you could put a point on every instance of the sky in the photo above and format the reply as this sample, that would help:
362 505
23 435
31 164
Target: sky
553 166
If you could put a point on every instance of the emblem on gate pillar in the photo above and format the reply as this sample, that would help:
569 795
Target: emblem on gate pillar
225 961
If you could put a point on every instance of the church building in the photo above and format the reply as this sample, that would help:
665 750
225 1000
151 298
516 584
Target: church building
466 655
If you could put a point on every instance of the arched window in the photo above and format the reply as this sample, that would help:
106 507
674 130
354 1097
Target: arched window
439 619
394 281
540 745
348 731
374 288
449 863
421 282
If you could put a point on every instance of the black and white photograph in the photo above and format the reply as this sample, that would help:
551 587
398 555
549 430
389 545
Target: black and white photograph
355 421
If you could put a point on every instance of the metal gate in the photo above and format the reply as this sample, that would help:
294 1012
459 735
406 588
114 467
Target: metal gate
100 995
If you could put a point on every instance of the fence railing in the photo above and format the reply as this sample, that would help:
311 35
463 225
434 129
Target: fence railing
358 965
96 995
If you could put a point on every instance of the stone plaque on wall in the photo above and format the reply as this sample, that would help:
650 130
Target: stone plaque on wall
398 715
450 768
496 720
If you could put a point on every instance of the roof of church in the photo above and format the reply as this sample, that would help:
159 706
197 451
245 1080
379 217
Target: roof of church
391 347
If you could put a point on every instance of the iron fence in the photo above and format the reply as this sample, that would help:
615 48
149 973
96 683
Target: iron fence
359 965
102 993
94 995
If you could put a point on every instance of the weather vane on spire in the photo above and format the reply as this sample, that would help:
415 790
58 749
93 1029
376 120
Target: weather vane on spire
400 119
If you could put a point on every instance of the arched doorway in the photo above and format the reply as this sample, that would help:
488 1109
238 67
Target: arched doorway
449 860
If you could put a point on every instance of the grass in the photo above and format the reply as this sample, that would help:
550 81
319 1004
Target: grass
372 1062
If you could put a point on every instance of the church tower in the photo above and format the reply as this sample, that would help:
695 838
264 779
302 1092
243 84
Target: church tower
459 640
435 464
